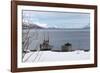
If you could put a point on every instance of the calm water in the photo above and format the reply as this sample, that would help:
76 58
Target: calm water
80 39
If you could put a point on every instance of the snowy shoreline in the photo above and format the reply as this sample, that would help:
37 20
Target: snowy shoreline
49 56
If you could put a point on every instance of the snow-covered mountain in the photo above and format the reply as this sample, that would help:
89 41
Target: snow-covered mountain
36 26
87 27
31 26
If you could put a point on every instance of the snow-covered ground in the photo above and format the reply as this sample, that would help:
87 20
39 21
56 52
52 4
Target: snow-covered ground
47 56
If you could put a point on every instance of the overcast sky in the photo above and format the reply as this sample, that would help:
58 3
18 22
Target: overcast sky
57 19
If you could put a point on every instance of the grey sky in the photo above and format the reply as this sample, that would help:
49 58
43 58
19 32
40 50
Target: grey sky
57 19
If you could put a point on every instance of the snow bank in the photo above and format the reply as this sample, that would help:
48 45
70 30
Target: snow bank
47 56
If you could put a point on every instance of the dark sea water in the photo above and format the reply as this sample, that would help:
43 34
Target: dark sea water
79 38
